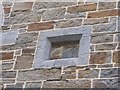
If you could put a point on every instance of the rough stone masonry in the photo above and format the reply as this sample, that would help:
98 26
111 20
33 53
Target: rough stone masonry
25 19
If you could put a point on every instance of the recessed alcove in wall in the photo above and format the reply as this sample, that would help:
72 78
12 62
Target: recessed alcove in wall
63 47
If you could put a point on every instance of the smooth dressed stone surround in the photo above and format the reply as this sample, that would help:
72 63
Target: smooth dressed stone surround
46 39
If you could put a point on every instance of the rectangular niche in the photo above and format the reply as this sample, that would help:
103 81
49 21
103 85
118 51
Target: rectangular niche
63 47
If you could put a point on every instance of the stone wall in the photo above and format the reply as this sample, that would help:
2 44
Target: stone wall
24 20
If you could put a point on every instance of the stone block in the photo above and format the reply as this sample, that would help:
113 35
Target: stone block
106 5
75 15
28 51
22 6
106 13
42 74
40 26
68 23
82 8
67 84
101 38
24 17
31 85
26 38
104 27
95 21
24 62
7 65
8 74
106 83
116 56
8 37
53 14
111 46
100 57
93 73
8 81
110 73
19 86
6 55
46 5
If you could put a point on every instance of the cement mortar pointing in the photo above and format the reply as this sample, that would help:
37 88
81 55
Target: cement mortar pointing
89 55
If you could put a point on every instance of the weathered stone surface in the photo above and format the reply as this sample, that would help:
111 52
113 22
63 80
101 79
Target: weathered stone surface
75 15
17 85
94 73
8 81
53 14
26 38
100 57
96 38
41 5
117 37
28 51
43 74
106 83
8 37
82 8
40 26
104 27
18 46
69 76
24 62
33 85
7 65
24 17
111 46
95 21
6 55
99 14
116 56
105 66
8 74
67 84
109 73
106 5
68 23
22 6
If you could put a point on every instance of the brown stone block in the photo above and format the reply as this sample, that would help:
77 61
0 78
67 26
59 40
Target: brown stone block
6 55
99 14
100 57
82 8
40 26
116 56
